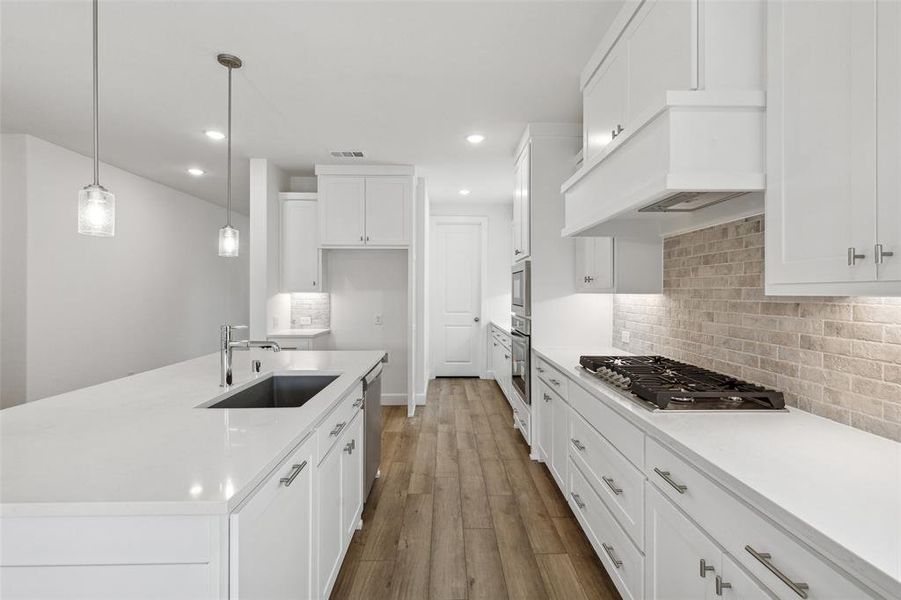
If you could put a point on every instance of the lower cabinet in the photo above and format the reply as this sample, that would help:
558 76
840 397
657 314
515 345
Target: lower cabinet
553 430
271 534
352 476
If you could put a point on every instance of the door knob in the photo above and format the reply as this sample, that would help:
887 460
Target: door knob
476 319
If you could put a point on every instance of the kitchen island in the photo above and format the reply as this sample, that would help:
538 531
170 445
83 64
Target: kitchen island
128 489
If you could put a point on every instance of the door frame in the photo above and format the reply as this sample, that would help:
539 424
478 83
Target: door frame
482 222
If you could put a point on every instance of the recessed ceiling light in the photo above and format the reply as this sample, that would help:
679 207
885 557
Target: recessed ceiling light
464 192
196 172
214 135
475 138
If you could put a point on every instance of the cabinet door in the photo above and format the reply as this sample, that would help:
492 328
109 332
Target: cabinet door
674 549
604 104
594 264
560 441
352 475
821 141
662 56
735 584
341 210
545 402
525 203
300 264
271 535
389 202
516 225
330 533
888 116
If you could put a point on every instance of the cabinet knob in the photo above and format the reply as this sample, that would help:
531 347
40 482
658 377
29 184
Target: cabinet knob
881 254
517 252
589 279
367 238
361 238
853 256
477 319
314 284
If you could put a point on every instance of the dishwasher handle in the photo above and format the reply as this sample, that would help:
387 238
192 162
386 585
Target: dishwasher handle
372 375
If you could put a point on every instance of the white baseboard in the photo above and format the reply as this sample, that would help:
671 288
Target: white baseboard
394 399
420 399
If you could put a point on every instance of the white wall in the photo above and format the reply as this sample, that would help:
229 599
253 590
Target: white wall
266 181
496 296
13 221
364 283
101 308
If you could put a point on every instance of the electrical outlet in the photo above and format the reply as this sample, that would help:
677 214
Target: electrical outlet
626 337
378 319
306 320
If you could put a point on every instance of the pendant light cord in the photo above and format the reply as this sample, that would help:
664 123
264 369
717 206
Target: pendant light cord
228 214
96 106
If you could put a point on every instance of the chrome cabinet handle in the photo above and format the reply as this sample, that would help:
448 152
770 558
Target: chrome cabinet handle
349 447
361 238
881 254
358 403
367 238
764 558
579 445
853 256
337 429
295 471
721 585
256 365
517 252
495 344
547 398
506 356
540 370
577 499
609 550
705 567
612 485
667 478
555 382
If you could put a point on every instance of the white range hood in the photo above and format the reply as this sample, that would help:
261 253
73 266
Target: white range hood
697 162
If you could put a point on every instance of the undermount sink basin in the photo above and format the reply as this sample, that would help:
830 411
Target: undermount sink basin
285 391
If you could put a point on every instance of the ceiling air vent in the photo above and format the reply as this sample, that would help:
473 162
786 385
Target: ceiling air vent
347 154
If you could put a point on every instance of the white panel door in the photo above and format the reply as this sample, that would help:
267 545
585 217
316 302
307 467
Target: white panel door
271 535
352 474
300 246
457 296
674 550
330 531
341 210
888 104
821 149
388 211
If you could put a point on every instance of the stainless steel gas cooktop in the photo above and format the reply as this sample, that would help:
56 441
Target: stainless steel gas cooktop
665 384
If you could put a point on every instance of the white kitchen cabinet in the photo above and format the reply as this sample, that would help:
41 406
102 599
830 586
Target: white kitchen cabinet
604 105
301 257
342 210
553 430
357 210
352 475
544 403
388 214
888 118
522 208
271 534
732 583
330 530
682 562
619 265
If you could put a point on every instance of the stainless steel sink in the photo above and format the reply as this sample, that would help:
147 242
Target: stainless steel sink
280 391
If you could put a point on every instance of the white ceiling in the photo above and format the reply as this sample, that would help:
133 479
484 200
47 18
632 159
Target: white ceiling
403 81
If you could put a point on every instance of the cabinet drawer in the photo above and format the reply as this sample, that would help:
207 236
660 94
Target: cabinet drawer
550 375
619 484
502 338
624 436
522 418
621 558
338 420
753 541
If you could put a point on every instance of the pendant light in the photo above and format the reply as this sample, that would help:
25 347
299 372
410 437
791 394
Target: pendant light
96 204
228 235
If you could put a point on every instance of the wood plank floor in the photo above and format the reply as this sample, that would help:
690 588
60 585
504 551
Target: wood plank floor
460 512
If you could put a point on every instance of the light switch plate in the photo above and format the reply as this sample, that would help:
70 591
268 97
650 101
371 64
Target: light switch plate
626 337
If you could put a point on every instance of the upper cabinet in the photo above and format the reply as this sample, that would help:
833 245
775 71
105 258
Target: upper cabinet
301 258
833 202
365 206
619 265
673 109
522 207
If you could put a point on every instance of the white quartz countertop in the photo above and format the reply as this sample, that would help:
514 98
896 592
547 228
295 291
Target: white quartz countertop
836 487
298 333
505 327
139 445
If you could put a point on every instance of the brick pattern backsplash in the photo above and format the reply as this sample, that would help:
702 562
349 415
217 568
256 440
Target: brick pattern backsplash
836 357
313 305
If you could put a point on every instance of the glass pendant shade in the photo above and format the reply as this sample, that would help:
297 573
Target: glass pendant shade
228 242
96 211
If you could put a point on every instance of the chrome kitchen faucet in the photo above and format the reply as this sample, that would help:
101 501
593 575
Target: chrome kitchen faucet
227 345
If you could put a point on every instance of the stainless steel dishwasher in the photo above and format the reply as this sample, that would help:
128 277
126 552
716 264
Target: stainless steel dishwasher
372 411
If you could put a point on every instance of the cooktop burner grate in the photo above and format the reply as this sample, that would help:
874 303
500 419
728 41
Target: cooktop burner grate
672 385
